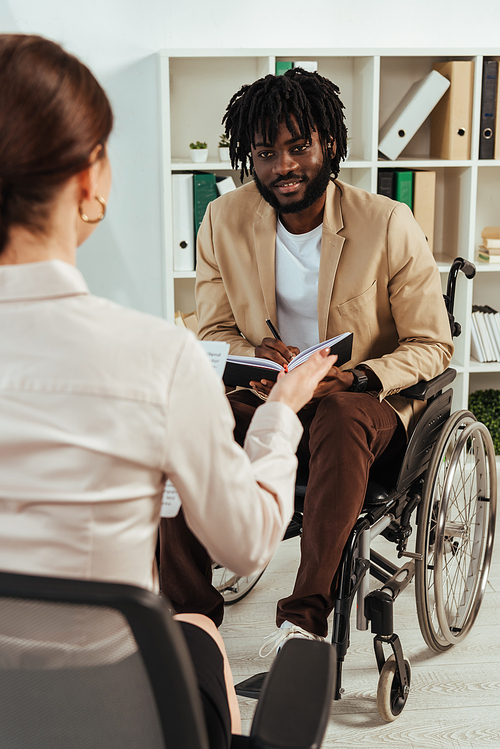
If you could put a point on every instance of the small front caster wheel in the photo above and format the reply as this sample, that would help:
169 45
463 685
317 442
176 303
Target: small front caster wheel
391 696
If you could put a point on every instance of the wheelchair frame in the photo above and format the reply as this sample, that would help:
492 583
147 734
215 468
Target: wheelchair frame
448 477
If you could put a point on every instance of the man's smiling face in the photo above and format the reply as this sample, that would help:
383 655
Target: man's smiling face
292 173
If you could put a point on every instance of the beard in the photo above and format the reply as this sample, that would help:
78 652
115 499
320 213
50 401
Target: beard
315 188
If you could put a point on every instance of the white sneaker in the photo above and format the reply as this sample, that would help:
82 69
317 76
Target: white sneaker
275 641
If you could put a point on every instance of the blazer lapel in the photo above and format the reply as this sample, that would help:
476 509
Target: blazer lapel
331 249
264 232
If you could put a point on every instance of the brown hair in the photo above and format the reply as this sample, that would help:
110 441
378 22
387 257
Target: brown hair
53 113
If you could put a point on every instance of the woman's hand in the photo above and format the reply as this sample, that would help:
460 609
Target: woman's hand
298 386
270 348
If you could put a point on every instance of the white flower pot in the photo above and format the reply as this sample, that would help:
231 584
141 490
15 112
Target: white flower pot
224 153
198 154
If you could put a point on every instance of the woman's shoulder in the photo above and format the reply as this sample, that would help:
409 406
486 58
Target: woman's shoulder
139 348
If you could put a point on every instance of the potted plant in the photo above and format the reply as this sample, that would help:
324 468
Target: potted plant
199 151
223 148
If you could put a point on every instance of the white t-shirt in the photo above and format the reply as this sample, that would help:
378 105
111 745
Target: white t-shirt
297 271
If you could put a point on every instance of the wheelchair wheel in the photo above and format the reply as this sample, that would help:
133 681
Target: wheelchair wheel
391 698
456 526
233 587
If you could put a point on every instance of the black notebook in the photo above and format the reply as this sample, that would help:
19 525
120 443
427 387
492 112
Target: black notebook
241 370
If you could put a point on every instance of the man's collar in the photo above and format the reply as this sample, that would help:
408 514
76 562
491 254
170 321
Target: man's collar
45 280
332 217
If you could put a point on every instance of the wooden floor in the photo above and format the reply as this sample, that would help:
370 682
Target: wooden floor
455 696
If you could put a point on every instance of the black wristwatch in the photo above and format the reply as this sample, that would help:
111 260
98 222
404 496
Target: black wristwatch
360 383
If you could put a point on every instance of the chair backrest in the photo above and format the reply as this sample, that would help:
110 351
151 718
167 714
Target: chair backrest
419 450
86 664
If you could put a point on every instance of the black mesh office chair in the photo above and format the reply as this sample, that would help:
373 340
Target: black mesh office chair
90 664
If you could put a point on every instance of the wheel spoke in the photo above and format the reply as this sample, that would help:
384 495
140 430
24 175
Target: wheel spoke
455 531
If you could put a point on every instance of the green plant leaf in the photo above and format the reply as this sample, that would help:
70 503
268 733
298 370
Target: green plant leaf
485 405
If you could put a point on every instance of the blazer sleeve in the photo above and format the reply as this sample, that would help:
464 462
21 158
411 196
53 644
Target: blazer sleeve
425 343
215 316
237 502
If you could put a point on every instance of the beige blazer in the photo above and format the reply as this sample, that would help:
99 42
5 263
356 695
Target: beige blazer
377 279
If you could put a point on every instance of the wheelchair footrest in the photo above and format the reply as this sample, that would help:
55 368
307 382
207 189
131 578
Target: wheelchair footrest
252 686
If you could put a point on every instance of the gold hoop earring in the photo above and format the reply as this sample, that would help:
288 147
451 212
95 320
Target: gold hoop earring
100 217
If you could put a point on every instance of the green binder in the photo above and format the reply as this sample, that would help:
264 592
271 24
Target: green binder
204 191
282 66
403 187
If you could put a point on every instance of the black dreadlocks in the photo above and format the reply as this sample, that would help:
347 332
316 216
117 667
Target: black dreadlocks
261 106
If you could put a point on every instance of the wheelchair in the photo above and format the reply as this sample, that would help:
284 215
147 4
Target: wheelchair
446 479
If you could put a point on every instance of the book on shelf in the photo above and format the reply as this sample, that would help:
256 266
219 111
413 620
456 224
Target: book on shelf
191 194
492 245
385 182
488 109
204 191
491 234
415 188
476 346
182 222
424 203
403 187
496 151
485 338
310 65
488 256
283 65
224 185
411 113
451 118
241 370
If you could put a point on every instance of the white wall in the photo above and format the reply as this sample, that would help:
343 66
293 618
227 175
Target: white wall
118 39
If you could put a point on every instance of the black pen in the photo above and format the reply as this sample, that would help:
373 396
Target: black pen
277 336
273 330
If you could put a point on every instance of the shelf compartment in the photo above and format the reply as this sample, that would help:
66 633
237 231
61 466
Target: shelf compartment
487 202
397 75
200 90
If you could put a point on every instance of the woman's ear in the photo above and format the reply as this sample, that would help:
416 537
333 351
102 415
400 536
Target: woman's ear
88 178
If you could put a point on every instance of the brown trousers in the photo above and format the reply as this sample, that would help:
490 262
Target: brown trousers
345 434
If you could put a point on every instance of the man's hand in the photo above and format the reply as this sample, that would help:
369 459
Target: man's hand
275 350
270 348
335 381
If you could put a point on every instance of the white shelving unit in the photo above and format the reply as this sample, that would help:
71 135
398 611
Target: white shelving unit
196 86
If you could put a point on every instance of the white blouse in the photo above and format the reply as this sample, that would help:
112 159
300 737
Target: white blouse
98 406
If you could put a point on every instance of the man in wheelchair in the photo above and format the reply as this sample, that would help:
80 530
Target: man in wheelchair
317 257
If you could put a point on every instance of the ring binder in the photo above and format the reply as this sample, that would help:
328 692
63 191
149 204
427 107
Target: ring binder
410 113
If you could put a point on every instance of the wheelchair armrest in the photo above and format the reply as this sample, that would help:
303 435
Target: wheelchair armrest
422 391
296 698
